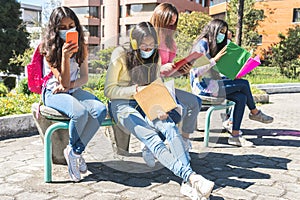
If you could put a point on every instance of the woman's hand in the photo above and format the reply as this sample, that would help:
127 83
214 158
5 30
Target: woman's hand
166 68
220 54
59 89
68 49
185 69
162 115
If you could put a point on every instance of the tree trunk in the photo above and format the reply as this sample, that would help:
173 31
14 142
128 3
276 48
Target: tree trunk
240 23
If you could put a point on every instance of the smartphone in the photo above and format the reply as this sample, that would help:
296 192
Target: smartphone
72 37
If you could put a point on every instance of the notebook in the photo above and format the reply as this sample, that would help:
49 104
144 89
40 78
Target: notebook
200 58
155 98
237 62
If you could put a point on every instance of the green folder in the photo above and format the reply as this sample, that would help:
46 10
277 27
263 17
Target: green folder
231 63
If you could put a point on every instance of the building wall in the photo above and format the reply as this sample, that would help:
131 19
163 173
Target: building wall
279 18
115 18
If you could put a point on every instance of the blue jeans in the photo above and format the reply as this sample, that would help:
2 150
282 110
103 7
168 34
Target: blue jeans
85 111
238 91
125 112
191 107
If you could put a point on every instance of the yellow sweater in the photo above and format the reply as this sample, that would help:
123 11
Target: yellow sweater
117 77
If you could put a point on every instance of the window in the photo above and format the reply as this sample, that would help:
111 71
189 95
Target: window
296 15
138 9
103 12
259 41
93 30
102 30
90 12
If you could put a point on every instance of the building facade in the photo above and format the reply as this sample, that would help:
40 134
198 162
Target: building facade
109 21
280 15
32 17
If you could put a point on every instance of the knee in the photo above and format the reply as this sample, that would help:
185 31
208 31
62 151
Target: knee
81 114
240 99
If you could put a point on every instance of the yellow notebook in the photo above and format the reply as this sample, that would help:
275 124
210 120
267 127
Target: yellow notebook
155 98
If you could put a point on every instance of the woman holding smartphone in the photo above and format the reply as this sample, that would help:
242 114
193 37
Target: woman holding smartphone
62 91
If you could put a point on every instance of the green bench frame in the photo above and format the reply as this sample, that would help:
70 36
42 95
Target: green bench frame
59 124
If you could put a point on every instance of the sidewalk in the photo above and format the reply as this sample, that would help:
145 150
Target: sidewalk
269 171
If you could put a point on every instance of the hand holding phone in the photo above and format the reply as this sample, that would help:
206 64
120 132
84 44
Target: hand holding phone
72 37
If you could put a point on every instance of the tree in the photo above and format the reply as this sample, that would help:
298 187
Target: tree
13 35
239 29
189 27
104 59
251 19
285 54
49 6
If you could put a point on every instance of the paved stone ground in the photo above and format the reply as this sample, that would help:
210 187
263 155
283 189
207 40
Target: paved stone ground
270 171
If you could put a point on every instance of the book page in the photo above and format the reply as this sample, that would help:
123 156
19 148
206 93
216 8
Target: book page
251 64
231 63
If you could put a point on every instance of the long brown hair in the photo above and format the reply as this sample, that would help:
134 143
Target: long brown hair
161 19
51 45
210 32
142 71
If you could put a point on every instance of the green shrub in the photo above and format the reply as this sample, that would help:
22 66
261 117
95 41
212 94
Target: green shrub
10 82
3 90
23 87
15 103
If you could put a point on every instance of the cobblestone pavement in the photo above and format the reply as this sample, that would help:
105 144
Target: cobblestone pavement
271 170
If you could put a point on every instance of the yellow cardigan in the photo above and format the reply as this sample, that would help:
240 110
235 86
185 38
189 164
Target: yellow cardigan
117 77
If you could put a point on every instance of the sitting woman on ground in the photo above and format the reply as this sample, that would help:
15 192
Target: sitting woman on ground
62 91
131 68
208 82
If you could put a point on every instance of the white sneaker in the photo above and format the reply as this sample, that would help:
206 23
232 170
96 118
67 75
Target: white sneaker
82 165
148 157
227 125
202 186
240 141
73 163
187 190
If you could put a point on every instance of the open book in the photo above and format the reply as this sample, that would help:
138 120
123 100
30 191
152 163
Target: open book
237 62
200 58
155 98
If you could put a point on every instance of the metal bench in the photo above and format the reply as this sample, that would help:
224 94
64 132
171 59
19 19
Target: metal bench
59 121
213 104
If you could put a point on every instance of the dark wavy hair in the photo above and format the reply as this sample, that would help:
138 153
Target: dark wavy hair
142 71
210 32
51 45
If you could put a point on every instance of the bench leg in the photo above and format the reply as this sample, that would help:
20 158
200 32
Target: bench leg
207 125
48 148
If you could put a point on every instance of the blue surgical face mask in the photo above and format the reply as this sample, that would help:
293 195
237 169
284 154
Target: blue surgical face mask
63 33
146 54
220 37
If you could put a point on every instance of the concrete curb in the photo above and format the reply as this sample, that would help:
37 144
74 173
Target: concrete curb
15 125
279 88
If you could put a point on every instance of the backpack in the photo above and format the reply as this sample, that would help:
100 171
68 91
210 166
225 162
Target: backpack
36 81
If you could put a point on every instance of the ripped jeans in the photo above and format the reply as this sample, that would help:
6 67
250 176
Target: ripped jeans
128 114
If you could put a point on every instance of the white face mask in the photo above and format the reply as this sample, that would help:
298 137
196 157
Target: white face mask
146 54
63 33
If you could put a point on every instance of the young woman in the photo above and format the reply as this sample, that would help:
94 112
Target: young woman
62 91
212 42
164 19
132 68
